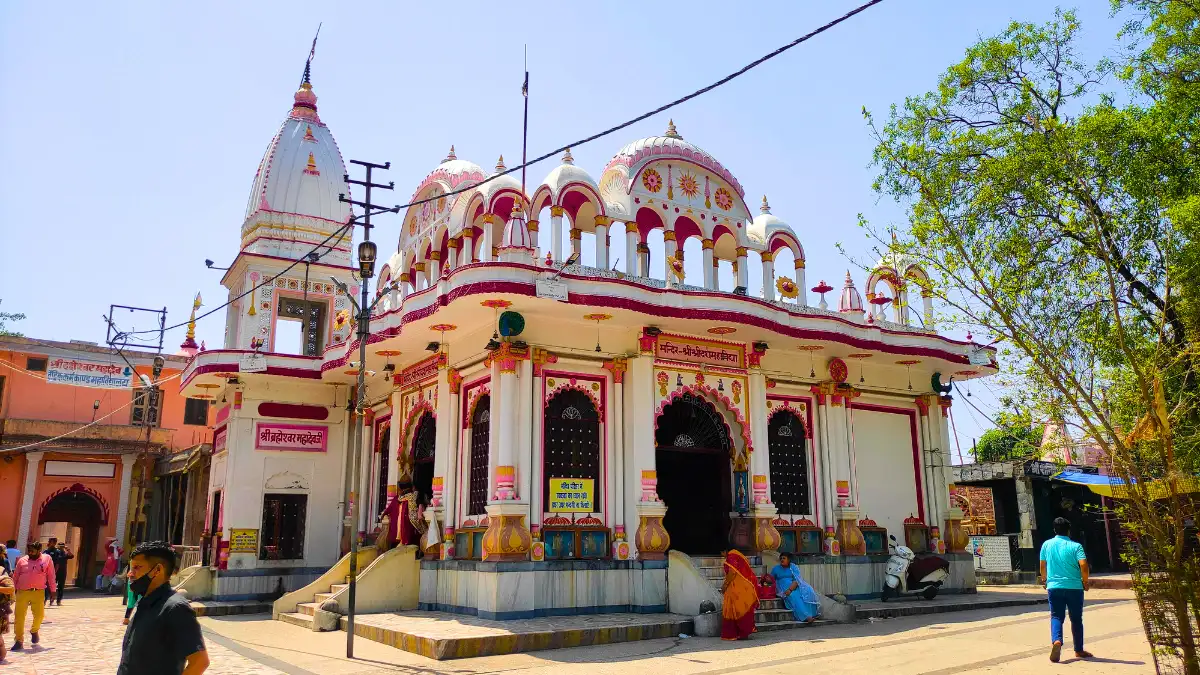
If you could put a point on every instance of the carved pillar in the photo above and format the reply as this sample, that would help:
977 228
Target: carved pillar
33 466
651 538
615 428
670 246
927 307
708 265
468 249
953 535
532 227
801 299
766 537
394 442
741 271
576 239
452 253
485 250
768 265
450 480
556 216
127 463
435 266
507 536
631 248
602 241
643 254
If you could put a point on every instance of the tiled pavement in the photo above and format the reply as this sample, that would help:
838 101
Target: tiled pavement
84 636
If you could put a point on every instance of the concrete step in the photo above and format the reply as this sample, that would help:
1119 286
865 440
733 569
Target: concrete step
297 619
322 597
775 603
788 625
229 608
909 606
308 608
773 615
338 587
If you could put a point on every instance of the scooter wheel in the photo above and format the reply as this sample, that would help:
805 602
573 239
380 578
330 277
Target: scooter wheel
930 592
886 594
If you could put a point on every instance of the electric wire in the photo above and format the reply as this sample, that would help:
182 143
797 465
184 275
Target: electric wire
541 158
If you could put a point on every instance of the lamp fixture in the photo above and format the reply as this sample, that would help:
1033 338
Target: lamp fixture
367 251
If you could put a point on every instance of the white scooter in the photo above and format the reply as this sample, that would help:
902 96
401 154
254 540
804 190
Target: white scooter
906 575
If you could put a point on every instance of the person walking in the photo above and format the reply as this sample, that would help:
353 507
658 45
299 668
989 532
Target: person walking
1064 572
164 635
6 601
131 598
10 548
33 574
60 553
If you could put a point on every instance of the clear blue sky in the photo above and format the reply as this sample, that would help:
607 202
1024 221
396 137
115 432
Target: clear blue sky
131 131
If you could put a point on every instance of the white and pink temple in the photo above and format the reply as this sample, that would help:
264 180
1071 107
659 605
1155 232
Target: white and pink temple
583 434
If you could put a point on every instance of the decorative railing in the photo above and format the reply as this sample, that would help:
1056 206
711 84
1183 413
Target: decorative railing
188 556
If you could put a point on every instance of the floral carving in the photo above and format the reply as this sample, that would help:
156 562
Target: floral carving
723 198
652 180
688 184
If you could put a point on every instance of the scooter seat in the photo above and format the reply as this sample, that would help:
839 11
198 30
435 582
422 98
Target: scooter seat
926 565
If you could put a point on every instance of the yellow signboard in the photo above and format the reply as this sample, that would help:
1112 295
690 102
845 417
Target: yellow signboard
243 541
572 495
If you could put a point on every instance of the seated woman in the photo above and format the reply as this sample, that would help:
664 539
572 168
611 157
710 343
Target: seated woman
740 598
797 595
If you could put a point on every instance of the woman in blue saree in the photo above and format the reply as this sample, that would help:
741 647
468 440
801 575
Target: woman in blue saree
796 595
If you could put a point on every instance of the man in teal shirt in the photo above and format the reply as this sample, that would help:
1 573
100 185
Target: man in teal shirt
1064 571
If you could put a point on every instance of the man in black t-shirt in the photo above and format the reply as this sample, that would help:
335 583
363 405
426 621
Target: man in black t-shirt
164 637
60 553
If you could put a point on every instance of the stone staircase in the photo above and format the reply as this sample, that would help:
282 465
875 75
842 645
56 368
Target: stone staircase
306 611
771 614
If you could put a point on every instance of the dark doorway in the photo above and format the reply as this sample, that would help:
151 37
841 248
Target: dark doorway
1082 508
211 552
694 475
78 509
481 425
424 439
382 484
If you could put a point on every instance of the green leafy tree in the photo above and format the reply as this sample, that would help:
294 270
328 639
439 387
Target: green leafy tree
5 317
1061 224
1013 439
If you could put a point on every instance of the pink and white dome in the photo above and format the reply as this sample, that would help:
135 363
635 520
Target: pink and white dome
851 301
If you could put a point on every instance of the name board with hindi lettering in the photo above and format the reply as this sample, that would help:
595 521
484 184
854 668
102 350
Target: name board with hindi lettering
677 348
572 495
88 373
243 541
290 437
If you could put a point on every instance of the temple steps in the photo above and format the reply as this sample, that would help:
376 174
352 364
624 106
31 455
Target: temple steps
771 614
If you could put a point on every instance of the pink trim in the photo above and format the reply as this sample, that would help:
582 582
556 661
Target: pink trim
464 458
76 487
410 421
240 254
294 411
571 382
582 187
293 241
271 370
701 390
600 411
916 451
812 445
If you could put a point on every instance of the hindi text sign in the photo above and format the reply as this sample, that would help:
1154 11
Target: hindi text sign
290 437
88 373
710 352
572 495
252 363
551 289
243 541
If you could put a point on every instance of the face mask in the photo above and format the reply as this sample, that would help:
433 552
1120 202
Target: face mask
141 584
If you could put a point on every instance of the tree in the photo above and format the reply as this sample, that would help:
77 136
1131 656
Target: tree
5 317
1062 224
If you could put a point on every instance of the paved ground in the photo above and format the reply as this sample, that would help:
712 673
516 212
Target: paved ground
85 638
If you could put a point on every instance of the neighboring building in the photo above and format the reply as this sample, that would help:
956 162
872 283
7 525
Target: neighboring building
614 413
61 475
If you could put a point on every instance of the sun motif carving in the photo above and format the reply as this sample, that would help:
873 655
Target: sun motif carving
688 185
723 198
787 288
652 180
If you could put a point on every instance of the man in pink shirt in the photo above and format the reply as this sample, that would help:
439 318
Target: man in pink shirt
33 574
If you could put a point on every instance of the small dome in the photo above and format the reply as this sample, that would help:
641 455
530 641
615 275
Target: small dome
765 224
516 232
850 301
505 182
566 174
302 172
669 145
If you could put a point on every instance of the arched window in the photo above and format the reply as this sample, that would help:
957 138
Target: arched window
423 442
789 467
480 455
572 441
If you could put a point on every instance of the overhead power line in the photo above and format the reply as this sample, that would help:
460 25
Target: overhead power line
583 141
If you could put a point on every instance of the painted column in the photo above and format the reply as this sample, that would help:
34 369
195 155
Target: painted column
602 241
670 246
953 535
826 478
768 264
651 539
393 449
927 441
615 428
556 216
435 266
708 265
539 358
485 251
421 282
127 462
33 465
532 227
576 239
716 274
631 248
450 478
801 299
927 308
468 249
742 272
507 536
766 537
643 253
452 249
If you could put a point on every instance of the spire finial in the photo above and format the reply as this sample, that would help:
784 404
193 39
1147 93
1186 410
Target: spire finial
500 164
567 158
671 131
189 342
308 62
450 156
849 281
765 208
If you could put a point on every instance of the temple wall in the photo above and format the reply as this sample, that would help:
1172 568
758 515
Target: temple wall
885 450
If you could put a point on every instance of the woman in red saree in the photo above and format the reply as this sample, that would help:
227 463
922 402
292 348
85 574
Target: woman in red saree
740 593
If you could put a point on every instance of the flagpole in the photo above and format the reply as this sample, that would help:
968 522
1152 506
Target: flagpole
525 124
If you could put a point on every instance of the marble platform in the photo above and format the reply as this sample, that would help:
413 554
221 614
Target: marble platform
441 635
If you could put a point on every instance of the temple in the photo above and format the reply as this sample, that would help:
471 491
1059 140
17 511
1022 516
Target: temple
584 436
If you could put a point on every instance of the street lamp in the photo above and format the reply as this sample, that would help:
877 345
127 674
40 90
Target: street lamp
212 266
366 259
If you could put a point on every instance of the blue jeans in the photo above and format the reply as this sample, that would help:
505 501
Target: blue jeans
1065 601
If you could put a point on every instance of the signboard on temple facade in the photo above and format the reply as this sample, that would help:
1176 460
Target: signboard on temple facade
243 541
551 289
572 495
693 350
290 437
88 373
252 363
421 371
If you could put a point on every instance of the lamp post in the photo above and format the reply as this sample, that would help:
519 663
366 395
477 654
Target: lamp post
367 253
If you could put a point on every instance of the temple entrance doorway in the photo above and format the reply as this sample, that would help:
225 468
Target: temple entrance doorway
695 479
424 440
80 513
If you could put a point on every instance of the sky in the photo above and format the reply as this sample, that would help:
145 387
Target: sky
132 130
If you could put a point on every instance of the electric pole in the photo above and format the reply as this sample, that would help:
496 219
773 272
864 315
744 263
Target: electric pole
366 269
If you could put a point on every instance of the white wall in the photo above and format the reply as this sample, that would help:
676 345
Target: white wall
886 477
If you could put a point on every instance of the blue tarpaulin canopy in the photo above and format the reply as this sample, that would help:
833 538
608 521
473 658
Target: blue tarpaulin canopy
1103 485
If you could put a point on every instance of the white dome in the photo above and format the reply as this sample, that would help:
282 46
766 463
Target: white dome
765 225
302 172
505 182
670 145
566 174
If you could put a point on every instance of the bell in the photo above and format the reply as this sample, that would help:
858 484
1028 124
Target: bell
678 379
